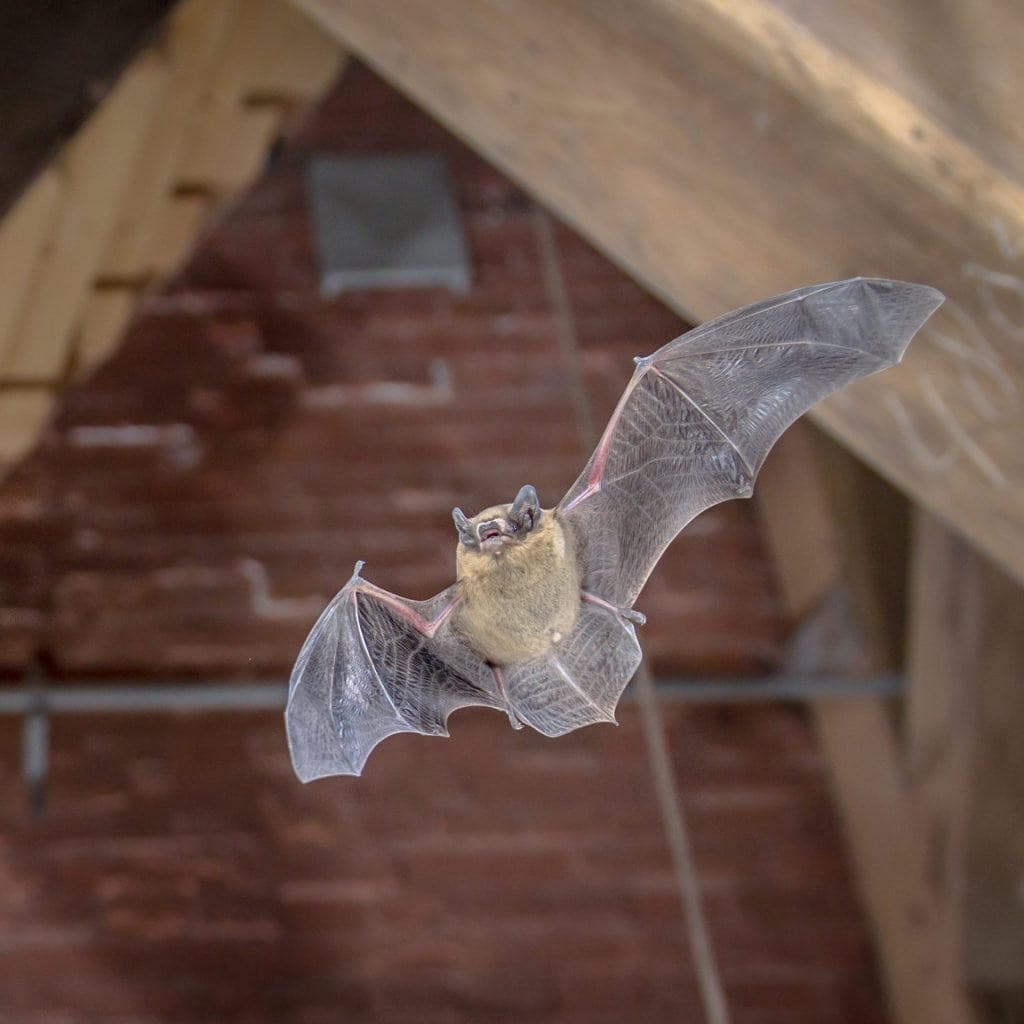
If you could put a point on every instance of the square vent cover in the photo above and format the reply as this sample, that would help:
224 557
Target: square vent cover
386 222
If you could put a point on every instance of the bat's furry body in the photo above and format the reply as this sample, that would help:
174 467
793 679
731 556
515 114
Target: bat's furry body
522 599
539 622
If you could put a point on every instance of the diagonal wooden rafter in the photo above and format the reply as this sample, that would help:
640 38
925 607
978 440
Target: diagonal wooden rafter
823 579
725 150
184 129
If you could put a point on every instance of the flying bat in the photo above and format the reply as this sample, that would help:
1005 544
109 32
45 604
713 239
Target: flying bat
540 621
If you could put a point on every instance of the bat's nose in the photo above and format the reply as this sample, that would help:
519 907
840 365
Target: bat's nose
492 529
493 534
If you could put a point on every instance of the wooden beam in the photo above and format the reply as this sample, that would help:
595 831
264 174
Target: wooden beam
237 70
724 151
940 711
105 315
923 981
275 59
194 39
993 925
830 593
95 170
58 62
24 412
186 128
964 721
24 234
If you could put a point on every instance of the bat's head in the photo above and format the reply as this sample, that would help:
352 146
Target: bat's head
494 528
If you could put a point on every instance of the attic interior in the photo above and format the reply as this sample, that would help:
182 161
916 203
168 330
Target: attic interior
206 420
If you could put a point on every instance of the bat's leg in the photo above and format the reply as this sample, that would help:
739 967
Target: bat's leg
503 693
629 614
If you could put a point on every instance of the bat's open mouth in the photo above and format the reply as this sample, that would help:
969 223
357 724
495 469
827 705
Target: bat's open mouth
493 534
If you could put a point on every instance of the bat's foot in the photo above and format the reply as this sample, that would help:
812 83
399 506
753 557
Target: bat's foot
499 681
626 614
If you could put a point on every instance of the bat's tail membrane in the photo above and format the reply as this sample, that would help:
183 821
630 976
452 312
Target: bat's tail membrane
580 682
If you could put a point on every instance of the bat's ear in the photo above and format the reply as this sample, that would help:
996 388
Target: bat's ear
525 510
466 534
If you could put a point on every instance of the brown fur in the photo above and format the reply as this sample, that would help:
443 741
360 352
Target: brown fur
522 599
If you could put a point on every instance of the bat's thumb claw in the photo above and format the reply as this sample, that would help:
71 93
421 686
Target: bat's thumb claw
357 570
632 615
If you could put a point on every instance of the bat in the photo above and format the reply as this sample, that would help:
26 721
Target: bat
540 621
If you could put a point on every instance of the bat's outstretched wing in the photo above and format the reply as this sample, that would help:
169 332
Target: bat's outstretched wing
699 415
376 664
579 682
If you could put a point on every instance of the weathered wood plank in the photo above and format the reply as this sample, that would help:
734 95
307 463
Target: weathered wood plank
854 92
793 506
57 61
993 924
23 414
117 207
964 720
928 55
195 37
835 599
104 317
276 58
178 228
96 167
723 152
939 712
890 859
24 234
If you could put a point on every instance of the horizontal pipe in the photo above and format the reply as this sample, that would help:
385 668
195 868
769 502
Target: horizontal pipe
779 688
90 698
93 698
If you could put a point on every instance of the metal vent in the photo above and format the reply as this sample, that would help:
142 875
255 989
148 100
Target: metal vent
386 222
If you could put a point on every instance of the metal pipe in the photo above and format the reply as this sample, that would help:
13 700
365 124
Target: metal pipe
37 701
98 698
779 688
93 698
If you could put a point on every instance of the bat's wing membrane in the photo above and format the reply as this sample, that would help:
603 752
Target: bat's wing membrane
699 416
367 671
580 681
